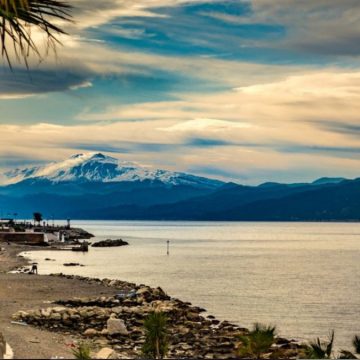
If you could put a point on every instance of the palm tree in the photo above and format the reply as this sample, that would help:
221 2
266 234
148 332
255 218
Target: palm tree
156 338
37 217
19 17
320 349
257 342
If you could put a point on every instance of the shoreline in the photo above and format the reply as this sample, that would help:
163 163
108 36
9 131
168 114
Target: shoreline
20 292
34 292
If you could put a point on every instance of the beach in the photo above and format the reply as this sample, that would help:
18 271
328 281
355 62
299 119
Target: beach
22 292
43 329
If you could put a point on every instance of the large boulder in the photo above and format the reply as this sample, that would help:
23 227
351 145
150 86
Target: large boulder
116 326
106 353
90 332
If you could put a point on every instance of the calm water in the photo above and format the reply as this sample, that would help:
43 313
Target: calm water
303 277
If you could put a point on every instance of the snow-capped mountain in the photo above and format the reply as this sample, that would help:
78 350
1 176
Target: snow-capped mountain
97 167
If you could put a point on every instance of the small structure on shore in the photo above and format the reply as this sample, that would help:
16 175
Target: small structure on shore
27 238
25 232
84 247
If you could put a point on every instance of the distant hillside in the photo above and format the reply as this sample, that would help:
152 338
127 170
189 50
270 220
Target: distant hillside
95 186
329 202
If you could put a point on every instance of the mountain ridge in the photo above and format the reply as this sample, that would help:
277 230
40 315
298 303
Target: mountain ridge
97 167
96 186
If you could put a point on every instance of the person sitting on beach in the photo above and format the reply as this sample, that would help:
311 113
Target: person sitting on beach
34 269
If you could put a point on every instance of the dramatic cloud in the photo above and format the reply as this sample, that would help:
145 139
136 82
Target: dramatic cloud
247 90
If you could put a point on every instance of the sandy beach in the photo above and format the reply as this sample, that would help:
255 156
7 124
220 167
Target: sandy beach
22 292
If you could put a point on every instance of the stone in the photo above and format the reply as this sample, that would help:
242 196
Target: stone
59 309
106 353
116 326
90 332
104 332
110 243
143 290
45 312
2 346
55 316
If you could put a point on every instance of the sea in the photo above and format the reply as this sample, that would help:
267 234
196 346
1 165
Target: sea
302 277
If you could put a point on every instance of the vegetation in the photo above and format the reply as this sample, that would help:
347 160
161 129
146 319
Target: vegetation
82 352
324 349
258 342
37 217
344 354
19 17
156 338
356 343
320 349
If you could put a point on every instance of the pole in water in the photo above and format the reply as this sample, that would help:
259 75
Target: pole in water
168 245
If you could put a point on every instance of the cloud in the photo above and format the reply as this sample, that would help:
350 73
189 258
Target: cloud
221 85
263 129
22 83
208 142
201 124
322 27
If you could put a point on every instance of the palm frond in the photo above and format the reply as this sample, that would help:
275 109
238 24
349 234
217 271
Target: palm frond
19 17
356 343
344 354
257 342
319 349
329 346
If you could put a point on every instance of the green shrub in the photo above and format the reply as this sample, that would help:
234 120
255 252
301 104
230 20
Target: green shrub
156 338
320 349
82 352
257 342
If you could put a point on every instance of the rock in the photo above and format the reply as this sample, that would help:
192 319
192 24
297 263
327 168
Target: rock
104 332
116 326
55 316
59 309
20 315
2 346
46 312
106 353
72 264
90 332
110 243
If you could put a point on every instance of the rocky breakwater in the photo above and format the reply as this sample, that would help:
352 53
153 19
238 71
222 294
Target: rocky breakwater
110 243
116 322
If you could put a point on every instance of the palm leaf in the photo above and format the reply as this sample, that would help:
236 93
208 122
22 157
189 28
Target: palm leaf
344 354
18 17
356 344
330 344
320 350
257 342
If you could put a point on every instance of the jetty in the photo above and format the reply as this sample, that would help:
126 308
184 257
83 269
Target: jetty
61 237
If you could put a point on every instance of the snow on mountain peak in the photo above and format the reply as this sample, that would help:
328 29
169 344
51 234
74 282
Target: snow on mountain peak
97 167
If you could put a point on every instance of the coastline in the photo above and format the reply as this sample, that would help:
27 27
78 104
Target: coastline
22 292
203 335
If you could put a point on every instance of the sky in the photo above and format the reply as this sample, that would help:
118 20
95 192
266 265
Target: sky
242 90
